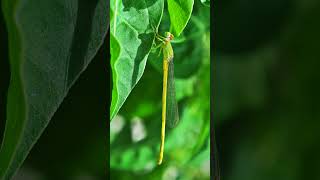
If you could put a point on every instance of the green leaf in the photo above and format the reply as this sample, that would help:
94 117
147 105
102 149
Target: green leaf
50 42
132 29
180 13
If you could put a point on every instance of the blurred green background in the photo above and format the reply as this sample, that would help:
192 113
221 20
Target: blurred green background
135 131
266 88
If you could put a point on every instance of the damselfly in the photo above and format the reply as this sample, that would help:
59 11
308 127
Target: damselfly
169 103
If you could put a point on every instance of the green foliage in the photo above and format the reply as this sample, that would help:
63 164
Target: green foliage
132 27
187 147
180 13
51 43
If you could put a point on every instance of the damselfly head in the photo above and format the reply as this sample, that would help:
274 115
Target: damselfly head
169 36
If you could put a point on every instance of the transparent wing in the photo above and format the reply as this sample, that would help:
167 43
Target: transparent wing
172 114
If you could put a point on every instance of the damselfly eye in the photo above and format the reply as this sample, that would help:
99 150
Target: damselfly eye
169 36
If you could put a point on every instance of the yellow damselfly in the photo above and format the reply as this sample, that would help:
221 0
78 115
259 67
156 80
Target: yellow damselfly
169 103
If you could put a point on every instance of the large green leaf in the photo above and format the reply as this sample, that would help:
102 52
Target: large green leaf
180 13
132 29
50 42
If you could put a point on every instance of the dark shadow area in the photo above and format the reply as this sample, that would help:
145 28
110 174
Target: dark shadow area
4 73
244 26
143 49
